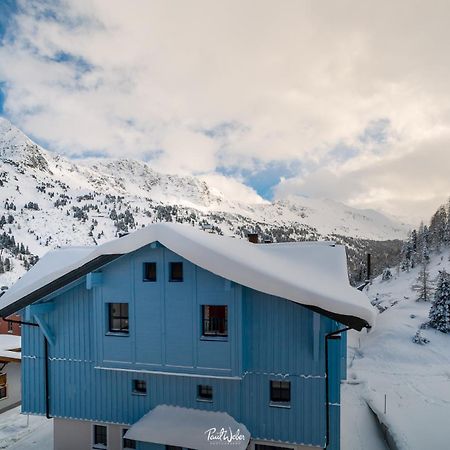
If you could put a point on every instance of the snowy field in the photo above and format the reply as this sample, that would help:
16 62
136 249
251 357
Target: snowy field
18 432
414 378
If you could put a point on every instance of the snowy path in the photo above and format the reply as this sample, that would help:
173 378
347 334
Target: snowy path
358 424
16 433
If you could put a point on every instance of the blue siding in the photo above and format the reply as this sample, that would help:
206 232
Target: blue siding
91 372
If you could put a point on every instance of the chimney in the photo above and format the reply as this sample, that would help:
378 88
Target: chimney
253 238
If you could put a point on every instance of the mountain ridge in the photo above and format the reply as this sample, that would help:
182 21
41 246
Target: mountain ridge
49 200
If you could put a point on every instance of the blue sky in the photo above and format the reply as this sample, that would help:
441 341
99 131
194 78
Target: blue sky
293 101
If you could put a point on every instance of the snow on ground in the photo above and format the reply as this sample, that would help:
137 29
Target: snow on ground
415 378
19 432
359 428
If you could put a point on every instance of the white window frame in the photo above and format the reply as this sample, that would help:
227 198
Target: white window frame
99 446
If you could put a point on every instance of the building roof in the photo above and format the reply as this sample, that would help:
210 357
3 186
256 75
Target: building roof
10 346
190 428
313 274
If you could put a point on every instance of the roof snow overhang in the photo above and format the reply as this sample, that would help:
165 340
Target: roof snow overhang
189 428
311 274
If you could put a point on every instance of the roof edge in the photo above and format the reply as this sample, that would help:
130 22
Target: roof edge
58 284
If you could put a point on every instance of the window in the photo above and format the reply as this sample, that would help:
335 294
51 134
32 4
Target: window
100 436
204 392
127 444
118 318
10 327
215 320
3 385
270 447
150 271
173 447
176 271
139 387
280 391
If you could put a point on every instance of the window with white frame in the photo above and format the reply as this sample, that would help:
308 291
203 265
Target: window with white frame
99 437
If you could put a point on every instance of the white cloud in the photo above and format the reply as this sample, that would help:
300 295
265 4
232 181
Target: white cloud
298 79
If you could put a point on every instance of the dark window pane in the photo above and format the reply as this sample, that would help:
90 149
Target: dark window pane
270 447
280 391
176 271
150 271
215 320
3 392
100 435
127 444
118 317
204 392
173 447
139 387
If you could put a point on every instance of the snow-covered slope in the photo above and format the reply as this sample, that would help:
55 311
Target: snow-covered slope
414 378
49 201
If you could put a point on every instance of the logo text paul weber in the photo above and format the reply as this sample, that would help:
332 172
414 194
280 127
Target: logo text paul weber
222 435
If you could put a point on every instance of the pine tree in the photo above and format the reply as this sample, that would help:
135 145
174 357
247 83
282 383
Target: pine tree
387 274
438 226
440 310
419 339
424 285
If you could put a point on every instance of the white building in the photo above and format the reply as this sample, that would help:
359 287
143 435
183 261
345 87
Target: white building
10 376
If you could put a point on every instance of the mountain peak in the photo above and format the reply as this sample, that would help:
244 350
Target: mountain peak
17 148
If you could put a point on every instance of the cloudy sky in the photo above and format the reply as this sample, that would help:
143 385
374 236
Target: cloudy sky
348 100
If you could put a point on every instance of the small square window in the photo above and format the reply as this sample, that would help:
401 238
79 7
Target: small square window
150 271
280 391
127 444
215 320
100 436
204 392
118 318
139 387
176 271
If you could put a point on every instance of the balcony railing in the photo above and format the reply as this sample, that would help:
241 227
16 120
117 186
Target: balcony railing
215 326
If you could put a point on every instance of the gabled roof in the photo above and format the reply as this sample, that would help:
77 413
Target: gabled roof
313 274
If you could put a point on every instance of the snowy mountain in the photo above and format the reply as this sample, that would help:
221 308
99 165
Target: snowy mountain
48 201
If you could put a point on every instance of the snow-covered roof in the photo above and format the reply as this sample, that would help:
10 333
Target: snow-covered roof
9 344
190 428
311 273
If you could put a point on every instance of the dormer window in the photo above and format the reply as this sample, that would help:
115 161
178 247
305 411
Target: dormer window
150 271
176 272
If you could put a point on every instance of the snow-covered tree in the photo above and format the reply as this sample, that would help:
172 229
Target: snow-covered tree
423 285
438 227
419 339
387 274
440 310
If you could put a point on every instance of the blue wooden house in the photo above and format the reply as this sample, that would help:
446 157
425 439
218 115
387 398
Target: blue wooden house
173 337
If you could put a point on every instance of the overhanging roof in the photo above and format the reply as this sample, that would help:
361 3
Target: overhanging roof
311 274
190 428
